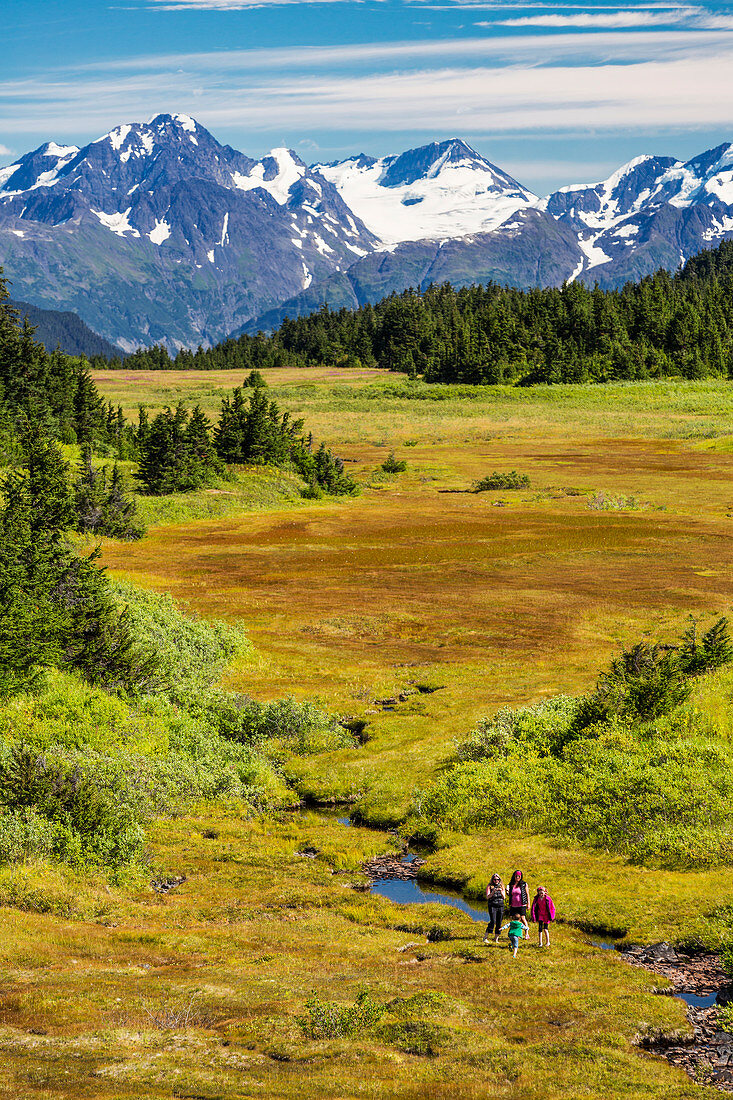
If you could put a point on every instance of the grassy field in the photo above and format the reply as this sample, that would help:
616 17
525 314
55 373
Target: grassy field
494 598
440 605
198 993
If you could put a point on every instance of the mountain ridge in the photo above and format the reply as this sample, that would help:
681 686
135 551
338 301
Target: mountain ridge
156 232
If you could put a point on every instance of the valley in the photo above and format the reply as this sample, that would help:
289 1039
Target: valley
366 550
366 605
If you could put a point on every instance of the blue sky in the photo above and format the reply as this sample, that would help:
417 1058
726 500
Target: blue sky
553 93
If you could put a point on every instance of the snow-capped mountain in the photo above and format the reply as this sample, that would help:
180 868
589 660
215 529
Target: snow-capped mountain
653 212
442 190
156 232
669 209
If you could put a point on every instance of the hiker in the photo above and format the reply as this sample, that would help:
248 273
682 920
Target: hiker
495 895
543 911
516 929
518 898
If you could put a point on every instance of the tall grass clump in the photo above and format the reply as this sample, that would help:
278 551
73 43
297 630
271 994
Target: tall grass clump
507 480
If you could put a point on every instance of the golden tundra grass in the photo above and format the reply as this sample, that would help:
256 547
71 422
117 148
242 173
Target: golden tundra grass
497 598
352 601
197 994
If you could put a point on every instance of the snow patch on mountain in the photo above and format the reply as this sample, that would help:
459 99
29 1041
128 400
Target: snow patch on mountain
275 173
117 223
594 254
161 232
186 122
63 152
443 190
117 137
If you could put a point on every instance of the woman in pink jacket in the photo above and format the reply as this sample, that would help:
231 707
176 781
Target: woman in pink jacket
543 911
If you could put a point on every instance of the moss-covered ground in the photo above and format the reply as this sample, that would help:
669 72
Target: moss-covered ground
198 993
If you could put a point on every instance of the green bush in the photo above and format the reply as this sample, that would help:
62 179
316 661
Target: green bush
647 779
497 480
415 1037
713 650
191 653
486 794
25 834
545 727
392 465
301 728
329 1020
81 772
648 681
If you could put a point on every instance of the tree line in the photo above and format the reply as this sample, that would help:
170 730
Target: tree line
667 324
181 451
52 397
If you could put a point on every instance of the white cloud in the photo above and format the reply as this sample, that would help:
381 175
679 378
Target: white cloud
5 152
563 83
603 20
224 5
510 50
643 95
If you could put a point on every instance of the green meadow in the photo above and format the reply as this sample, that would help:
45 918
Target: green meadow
414 609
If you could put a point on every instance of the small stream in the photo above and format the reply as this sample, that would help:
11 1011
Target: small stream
713 1046
410 892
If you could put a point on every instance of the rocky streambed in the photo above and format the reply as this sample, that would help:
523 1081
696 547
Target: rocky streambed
701 981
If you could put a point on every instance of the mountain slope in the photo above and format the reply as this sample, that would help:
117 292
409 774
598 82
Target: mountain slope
185 236
65 330
531 249
445 189
654 212
158 233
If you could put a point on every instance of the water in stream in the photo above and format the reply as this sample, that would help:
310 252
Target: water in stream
409 891
405 891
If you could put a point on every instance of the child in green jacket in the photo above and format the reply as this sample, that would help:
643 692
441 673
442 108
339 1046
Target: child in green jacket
516 931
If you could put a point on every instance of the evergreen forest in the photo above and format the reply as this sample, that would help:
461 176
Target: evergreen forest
666 325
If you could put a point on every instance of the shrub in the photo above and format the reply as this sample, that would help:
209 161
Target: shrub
497 480
312 491
81 773
545 727
488 794
25 834
600 502
191 653
415 1037
644 682
300 727
329 1020
659 802
392 465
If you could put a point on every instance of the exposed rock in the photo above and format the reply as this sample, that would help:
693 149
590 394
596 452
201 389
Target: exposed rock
705 1054
391 866
165 885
